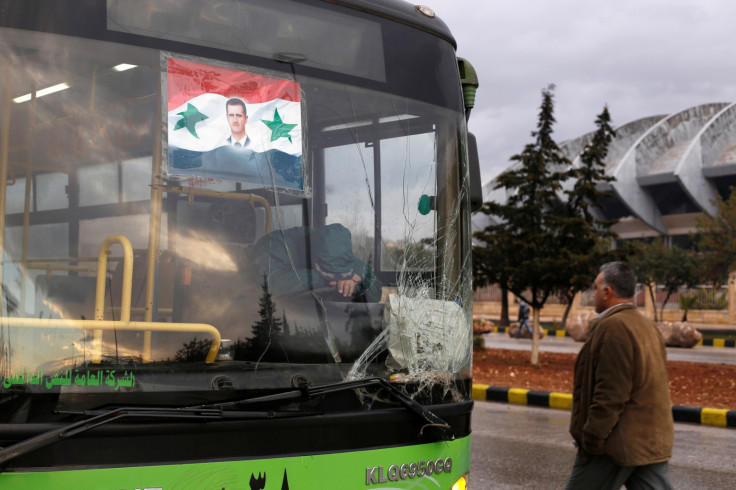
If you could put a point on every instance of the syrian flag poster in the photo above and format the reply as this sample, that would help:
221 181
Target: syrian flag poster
233 125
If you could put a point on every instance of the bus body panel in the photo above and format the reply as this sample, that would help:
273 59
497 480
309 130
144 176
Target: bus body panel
436 465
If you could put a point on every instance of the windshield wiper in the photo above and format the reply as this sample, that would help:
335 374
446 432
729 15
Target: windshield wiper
442 428
96 418
222 411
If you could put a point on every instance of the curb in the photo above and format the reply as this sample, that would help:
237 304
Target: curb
549 332
713 342
717 342
715 417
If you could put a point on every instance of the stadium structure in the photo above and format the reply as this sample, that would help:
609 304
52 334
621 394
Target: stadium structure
668 170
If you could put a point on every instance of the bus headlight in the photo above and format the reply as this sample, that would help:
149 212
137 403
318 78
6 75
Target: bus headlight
461 484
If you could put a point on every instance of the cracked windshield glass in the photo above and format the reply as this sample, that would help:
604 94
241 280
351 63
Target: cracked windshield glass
175 223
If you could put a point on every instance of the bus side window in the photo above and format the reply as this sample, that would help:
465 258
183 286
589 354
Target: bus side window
70 297
164 287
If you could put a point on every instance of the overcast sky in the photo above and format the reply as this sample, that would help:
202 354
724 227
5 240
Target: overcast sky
641 58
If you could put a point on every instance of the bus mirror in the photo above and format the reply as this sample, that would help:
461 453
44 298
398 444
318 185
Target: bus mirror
469 82
476 190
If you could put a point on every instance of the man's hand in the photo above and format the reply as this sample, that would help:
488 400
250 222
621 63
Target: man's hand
592 445
347 287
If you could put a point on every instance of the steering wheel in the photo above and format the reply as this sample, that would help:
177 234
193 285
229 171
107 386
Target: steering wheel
330 293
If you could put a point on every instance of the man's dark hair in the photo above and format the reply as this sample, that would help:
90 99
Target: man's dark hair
236 101
619 277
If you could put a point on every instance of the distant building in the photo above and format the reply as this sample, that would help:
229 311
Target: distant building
668 171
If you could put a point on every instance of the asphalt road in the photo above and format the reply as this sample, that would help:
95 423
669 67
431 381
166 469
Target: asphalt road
521 447
721 355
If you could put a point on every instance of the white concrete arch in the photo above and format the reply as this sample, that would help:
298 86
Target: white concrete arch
703 151
626 186
719 145
660 152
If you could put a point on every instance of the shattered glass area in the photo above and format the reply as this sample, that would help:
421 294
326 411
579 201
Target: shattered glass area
120 278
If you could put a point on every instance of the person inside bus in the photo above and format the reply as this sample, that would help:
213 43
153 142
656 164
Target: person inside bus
305 258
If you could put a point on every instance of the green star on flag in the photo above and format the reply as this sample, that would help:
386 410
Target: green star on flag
279 129
189 119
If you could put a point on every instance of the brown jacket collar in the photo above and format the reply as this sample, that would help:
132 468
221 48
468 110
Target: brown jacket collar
610 311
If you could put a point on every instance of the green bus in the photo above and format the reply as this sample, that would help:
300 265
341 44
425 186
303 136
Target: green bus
235 245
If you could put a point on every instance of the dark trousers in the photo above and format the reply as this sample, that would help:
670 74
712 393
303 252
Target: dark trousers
601 473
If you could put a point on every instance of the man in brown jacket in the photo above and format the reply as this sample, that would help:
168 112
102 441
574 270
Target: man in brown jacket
621 412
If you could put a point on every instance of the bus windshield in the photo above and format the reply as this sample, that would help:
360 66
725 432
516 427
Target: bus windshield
194 211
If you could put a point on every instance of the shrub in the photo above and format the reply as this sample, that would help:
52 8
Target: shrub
478 343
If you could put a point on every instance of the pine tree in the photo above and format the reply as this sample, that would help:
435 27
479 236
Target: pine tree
524 246
266 331
193 351
585 236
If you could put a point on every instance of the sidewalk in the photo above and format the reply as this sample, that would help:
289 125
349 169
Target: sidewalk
724 330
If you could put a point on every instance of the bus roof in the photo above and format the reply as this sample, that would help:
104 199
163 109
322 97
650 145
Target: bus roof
401 11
